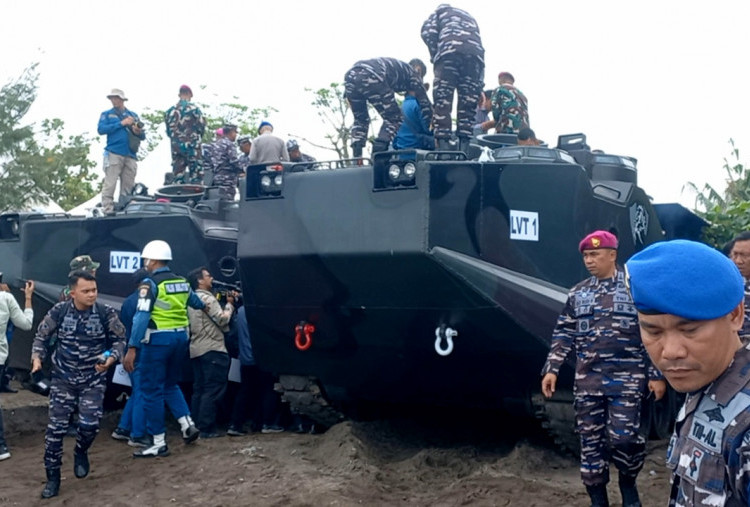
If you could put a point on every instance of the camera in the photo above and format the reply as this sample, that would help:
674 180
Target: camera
222 289
139 124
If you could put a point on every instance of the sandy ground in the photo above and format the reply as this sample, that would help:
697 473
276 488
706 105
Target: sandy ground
424 459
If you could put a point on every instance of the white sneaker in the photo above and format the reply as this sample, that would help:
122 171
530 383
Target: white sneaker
4 452
154 451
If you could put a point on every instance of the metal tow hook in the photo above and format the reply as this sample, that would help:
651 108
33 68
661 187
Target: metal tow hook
447 334
303 335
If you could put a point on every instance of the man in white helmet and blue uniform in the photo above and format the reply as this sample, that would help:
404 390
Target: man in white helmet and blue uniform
160 339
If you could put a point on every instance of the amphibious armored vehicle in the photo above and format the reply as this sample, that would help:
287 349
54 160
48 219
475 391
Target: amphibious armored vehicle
431 277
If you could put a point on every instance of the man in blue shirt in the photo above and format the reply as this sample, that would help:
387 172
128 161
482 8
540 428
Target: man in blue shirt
159 337
124 131
414 132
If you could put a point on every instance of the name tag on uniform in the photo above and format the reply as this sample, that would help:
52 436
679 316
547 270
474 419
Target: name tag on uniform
708 434
710 419
176 288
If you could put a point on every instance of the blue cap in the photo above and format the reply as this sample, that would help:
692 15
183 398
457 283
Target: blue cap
684 278
264 124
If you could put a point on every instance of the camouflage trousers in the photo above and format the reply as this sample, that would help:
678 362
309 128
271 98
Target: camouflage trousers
187 157
227 183
64 397
361 87
608 427
464 75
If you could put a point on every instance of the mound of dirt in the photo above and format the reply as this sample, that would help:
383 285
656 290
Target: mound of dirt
393 461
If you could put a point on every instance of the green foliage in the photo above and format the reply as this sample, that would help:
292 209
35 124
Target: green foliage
217 115
38 163
729 212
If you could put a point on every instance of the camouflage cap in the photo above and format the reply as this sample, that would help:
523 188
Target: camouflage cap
292 145
244 139
83 263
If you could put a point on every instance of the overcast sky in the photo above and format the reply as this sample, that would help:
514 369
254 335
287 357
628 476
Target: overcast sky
664 81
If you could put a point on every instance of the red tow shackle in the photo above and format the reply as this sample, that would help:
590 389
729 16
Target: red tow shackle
303 335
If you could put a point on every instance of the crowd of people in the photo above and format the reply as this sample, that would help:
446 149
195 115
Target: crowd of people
216 163
454 43
455 46
166 320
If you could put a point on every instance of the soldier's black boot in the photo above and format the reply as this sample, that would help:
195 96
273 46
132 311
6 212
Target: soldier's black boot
357 150
629 491
379 145
80 463
598 495
445 145
52 488
463 144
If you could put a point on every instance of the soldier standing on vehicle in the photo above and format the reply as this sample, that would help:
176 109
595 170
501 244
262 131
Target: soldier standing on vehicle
510 108
90 339
245 144
375 81
740 255
456 52
159 337
226 163
599 324
689 299
185 127
124 131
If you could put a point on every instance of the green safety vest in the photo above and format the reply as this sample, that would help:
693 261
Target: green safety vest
170 306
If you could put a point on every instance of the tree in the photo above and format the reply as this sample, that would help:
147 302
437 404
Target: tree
334 112
39 163
727 212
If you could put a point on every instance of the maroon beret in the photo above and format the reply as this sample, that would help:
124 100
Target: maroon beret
598 239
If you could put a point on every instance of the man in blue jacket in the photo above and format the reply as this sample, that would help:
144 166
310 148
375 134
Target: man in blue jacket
124 131
414 132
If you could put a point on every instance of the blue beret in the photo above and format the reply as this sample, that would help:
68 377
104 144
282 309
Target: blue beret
684 278
264 124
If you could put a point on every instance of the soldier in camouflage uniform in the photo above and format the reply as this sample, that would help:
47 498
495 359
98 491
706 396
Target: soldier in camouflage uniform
452 37
510 109
226 163
245 143
86 333
375 81
689 299
739 252
185 127
599 324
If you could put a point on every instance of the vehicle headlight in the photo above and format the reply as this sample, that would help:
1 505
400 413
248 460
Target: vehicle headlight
394 172
409 170
278 180
265 181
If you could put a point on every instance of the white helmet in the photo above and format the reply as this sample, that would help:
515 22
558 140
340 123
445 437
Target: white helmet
157 250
